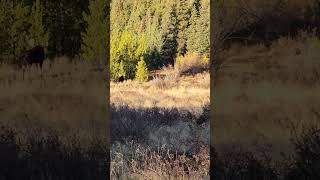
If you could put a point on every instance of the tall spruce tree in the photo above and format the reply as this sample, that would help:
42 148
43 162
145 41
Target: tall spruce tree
183 16
198 33
38 34
203 26
169 48
5 23
19 28
95 37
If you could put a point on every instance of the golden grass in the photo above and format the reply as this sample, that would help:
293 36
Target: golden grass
265 94
186 92
69 98
145 163
156 113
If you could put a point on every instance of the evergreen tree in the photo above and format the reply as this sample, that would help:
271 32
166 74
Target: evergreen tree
38 35
114 56
5 19
142 71
183 15
64 23
154 44
156 30
19 29
123 49
95 38
169 49
126 53
198 32
203 27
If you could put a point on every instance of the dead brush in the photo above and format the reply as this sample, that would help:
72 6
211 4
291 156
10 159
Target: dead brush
191 63
167 82
142 162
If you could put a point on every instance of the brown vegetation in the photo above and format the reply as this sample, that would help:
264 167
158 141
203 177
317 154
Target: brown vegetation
265 97
170 112
59 119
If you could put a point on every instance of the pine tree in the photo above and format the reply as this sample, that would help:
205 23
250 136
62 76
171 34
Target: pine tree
192 30
183 15
95 38
142 71
19 29
38 35
169 48
199 30
154 43
203 26
127 49
5 16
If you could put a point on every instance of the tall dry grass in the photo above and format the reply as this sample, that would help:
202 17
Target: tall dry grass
266 97
170 112
135 161
186 92
56 121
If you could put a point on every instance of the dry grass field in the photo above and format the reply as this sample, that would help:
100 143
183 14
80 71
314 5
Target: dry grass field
160 128
266 99
58 121
186 92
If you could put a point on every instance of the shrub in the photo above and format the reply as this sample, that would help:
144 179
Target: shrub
142 71
239 164
307 156
191 63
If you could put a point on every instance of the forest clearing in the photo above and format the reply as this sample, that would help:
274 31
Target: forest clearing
151 119
159 90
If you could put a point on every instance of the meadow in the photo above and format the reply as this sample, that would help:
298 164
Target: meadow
265 114
53 122
160 128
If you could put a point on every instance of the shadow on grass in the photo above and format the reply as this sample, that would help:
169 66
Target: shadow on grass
46 157
180 130
240 164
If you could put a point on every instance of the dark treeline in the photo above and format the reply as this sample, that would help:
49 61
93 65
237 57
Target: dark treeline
64 28
156 32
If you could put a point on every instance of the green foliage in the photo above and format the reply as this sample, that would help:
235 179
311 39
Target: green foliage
5 19
38 34
126 53
19 29
14 28
64 21
95 37
169 49
199 29
142 71
183 16
159 32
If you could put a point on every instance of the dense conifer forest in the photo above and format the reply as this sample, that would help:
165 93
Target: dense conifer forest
156 32
65 28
